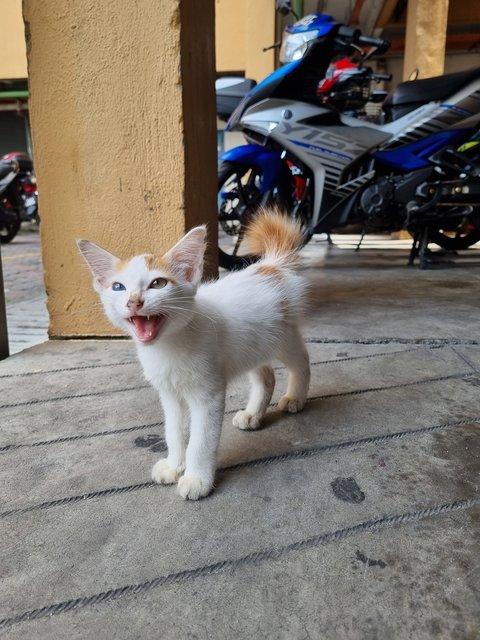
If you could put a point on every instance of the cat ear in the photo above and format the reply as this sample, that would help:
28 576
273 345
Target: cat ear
101 263
185 259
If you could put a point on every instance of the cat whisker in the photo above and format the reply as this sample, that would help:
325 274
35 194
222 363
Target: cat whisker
187 310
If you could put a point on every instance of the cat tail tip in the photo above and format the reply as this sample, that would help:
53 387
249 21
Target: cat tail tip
273 234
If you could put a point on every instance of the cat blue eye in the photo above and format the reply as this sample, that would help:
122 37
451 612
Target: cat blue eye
118 286
158 283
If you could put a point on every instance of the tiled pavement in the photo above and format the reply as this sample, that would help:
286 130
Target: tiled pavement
27 318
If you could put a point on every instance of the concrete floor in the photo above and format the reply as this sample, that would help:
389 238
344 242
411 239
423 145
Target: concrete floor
356 519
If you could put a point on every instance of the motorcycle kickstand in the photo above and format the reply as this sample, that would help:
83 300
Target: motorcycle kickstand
357 248
414 249
423 248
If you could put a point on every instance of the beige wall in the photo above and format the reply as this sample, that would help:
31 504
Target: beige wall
13 59
260 34
242 29
123 128
230 36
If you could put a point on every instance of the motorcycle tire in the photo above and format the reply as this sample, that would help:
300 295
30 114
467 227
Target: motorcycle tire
8 230
457 242
237 182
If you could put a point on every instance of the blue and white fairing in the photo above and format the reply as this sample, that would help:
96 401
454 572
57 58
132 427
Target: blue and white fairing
311 27
261 91
319 21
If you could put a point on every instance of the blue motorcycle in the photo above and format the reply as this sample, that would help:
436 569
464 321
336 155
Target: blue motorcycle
418 169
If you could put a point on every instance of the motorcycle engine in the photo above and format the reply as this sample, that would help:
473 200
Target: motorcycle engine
377 199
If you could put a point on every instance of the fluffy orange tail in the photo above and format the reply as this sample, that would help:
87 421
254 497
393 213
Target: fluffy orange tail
273 234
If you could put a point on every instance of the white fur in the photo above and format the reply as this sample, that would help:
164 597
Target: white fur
215 332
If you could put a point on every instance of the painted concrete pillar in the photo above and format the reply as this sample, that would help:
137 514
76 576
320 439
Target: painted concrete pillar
425 38
260 33
123 122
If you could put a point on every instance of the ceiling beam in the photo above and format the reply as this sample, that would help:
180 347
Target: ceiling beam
385 15
369 14
354 18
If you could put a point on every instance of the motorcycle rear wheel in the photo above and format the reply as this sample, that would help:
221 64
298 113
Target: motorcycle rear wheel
239 199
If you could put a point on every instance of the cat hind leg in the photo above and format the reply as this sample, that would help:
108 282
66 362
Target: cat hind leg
262 385
294 356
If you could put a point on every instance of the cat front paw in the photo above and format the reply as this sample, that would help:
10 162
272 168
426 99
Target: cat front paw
291 405
165 473
191 488
244 420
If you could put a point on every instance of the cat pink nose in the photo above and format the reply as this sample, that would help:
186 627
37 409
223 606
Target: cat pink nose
135 304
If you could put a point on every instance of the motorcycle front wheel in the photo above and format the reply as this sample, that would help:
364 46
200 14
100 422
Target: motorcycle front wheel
239 199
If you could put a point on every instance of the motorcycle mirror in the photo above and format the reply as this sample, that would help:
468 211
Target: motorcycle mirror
276 45
284 7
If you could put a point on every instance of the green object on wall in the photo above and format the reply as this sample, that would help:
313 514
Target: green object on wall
13 95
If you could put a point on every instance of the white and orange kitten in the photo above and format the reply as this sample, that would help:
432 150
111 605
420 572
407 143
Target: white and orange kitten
193 338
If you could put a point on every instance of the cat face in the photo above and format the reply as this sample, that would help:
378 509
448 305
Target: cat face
148 296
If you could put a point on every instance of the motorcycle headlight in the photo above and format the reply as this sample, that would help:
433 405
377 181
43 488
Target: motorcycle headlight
294 45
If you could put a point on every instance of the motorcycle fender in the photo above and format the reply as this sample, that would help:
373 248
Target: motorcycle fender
253 155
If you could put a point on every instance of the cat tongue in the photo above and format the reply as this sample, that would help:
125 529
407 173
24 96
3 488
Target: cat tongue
147 327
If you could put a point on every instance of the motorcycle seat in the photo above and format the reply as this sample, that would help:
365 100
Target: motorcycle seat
430 89
230 96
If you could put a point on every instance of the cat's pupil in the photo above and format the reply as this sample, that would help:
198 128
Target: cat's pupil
118 286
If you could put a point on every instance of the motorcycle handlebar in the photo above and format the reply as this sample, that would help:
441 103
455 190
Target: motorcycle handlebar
349 33
355 36
381 45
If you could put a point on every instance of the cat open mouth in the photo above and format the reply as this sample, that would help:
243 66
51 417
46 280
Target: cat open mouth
147 327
